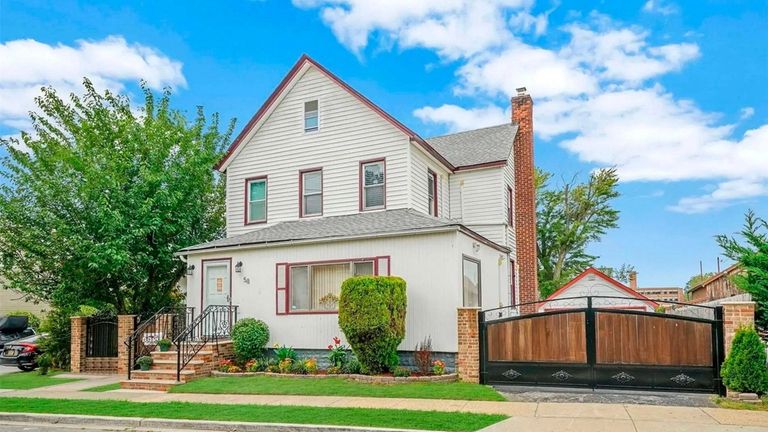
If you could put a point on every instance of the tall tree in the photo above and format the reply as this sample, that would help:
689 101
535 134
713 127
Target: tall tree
569 217
97 199
751 251
621 274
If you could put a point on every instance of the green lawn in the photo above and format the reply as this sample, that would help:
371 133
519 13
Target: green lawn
364 417
275 385
30 380
103 388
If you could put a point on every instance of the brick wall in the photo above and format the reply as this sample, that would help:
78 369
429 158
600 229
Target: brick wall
125 327
468 357
525 200
735 315
77 344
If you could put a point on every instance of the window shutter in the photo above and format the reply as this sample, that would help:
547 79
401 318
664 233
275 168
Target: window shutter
281 289
382 266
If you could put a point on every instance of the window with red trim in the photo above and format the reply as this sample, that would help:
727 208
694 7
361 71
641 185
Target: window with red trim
256 200
314 287
432 192
512 282
311 192
510 207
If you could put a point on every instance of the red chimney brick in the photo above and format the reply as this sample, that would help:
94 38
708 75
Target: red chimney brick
525 199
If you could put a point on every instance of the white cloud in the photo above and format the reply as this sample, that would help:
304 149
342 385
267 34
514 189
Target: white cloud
746 113
459 119
28 65
595 92
660 7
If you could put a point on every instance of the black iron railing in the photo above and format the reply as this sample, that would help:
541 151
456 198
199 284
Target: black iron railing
213 324
167 323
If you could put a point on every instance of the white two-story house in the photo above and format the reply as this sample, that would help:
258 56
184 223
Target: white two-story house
322 184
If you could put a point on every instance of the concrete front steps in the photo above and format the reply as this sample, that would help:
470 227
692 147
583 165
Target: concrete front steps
162 375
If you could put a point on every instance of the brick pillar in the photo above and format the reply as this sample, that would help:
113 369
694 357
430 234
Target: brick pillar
735 315
468 357
77 344
525 200
125 327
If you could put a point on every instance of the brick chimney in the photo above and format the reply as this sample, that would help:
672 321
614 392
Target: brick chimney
633 280
525 198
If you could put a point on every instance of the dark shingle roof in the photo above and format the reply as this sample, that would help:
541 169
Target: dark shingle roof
360 224
479 146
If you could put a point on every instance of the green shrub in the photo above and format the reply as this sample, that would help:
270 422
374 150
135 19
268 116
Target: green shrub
33 320
402 372
44 363
745 367
372 316
249 336
351 367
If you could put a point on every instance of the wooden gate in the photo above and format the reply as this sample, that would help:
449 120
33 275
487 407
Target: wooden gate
582 345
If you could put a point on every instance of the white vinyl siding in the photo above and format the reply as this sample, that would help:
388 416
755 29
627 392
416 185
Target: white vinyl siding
350 132
478 201
420 163
509 180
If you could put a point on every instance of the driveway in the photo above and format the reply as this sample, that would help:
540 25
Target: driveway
8 369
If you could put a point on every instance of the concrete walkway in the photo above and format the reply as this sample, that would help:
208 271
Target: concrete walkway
525 416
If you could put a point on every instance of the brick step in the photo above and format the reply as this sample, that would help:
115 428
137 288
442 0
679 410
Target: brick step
171 364
161 374
148 384
171 355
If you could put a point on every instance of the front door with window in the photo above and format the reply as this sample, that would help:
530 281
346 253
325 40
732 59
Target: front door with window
217 288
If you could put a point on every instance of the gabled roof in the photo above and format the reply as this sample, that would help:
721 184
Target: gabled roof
479 147
733 268
606 278
287 83
358 225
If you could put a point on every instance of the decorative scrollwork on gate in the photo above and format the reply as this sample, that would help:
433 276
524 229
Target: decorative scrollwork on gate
562 375
623 378
682 379
512 374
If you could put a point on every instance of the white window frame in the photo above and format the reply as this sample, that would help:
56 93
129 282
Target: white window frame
249 201
310 114
364 188
309 267
465 258
304 194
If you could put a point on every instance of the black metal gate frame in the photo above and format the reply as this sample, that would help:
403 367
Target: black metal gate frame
593 375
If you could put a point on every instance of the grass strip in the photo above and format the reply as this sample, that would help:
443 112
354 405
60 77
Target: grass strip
732 404
278 385
364 417
103 388
30 380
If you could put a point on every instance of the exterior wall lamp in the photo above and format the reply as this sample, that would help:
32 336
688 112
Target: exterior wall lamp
190 270
239 267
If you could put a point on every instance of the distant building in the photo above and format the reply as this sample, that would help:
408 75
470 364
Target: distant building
716 287
659 294
607 293
11 301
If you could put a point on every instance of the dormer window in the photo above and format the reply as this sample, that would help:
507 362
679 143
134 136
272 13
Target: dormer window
373 187
310 116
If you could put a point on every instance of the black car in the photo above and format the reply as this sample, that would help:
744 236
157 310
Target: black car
21 353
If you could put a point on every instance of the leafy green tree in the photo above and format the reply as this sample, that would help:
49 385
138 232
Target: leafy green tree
751 251
569 218
621 274
96 200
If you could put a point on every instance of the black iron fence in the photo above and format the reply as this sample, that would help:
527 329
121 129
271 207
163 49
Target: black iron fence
166 324
101 336
213 324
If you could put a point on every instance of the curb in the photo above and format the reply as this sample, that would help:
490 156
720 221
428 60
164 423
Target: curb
135 422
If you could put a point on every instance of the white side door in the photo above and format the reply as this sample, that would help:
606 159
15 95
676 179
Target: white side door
217 282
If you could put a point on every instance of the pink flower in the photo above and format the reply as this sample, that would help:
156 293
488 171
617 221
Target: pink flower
330 347
336 340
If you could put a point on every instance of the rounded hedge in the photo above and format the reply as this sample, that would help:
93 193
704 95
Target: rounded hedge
372 317
249 337
745 367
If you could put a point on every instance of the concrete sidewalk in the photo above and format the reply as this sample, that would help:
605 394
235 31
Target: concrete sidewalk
525 416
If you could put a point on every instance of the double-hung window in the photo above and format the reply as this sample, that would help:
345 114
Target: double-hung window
311 120
471 282
432 192
373 185
316 287
256 200
311 192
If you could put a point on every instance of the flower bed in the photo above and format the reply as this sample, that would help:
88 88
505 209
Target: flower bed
376 379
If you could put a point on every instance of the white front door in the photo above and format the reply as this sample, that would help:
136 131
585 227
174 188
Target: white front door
217 288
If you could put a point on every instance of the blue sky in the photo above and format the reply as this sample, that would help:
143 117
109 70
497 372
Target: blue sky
671 92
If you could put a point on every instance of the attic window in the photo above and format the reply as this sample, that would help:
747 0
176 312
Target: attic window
310 116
